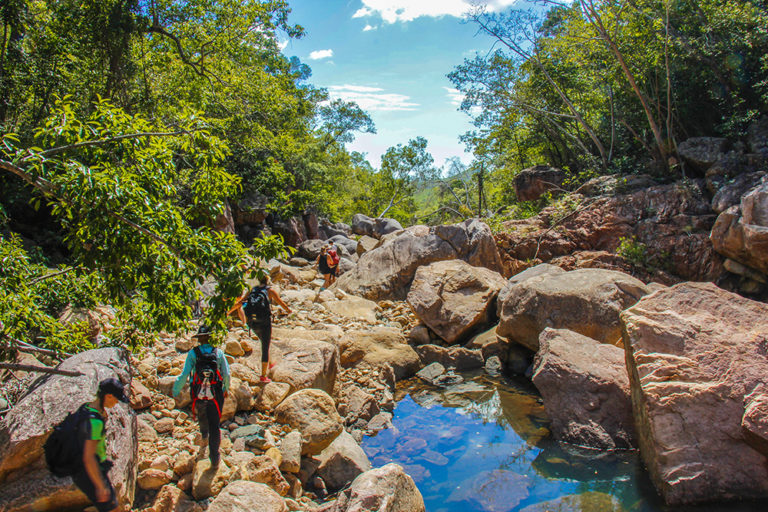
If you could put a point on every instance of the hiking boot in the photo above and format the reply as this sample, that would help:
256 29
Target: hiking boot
265 379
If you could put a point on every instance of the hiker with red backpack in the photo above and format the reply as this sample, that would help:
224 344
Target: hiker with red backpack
254 309
328 264
77 447
207 372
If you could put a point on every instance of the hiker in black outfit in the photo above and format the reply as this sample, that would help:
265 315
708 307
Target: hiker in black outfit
328 265
254 309
90 476
207 372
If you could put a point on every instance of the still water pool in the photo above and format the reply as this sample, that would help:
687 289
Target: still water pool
483 445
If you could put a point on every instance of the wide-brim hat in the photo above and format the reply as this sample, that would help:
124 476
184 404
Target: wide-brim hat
202 332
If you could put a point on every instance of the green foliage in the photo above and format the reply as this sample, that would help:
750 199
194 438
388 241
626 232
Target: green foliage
32 297
558 89
135 199
633 251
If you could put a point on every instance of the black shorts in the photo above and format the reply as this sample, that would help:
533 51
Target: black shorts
84 483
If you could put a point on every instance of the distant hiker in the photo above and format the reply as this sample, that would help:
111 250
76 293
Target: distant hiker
254 308
328 264
77 446
207 372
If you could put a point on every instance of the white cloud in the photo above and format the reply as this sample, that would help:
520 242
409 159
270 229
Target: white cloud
372 98
455 96
369 27
363 11
283 44
393 11
320 54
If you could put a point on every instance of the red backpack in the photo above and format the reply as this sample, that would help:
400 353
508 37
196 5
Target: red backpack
334 256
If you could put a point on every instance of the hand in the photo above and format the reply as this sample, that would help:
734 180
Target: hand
225 394
102 494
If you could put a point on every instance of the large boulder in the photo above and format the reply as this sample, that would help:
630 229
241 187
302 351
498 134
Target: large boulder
701 152
696 357
365 244
741 232
386 272
587 301
384 489
585 389
378 347
244 496
341 462
378 227
24 477
530 184
310 249
732 165
302 363
455 299
313 413
731 194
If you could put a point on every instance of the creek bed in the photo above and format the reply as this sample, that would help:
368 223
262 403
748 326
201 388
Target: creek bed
483 446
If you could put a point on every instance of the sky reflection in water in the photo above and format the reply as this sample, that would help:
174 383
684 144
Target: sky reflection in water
484 446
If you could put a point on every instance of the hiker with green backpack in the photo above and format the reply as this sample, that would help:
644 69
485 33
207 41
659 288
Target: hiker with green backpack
77 447
207 372
254 309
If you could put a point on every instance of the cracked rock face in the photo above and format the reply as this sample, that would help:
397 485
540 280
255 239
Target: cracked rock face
697 358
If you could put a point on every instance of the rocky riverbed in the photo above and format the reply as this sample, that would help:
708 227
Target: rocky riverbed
620 364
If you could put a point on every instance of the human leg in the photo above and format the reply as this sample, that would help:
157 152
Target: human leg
214 431
84 483
264 332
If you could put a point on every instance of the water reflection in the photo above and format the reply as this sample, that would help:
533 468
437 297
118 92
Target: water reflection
483 446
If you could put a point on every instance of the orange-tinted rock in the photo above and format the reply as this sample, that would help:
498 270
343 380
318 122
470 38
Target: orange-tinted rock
695 356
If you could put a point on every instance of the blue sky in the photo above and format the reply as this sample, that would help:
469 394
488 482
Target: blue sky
392 58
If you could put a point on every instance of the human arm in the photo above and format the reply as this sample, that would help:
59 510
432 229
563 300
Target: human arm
238 308
221 359
274 297
91 432
189 365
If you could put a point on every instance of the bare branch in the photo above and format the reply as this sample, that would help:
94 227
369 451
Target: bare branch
38 369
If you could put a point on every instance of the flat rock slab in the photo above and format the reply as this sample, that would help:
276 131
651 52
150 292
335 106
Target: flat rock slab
697 358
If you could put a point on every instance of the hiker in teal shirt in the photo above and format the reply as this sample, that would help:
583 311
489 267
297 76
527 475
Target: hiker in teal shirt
207 372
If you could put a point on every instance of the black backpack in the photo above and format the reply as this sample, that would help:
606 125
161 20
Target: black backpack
207 383
64 448
256 306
